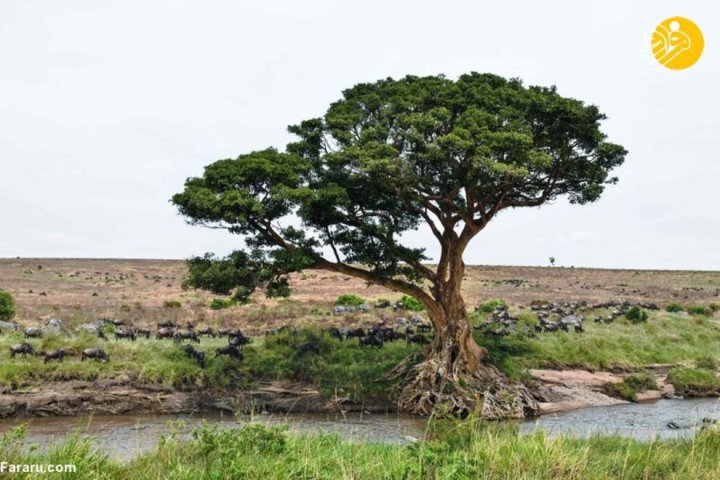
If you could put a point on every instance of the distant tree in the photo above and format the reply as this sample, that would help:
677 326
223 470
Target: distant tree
552 261
7 306
385 159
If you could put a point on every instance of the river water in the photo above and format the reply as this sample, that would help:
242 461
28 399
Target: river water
126 436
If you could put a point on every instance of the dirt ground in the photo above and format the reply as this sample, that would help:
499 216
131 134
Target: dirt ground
83 289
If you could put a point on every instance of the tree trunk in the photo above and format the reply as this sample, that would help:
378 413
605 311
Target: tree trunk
453 378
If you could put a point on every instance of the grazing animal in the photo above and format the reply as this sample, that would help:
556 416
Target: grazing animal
229 350
578 328
145 332
309 347
101 334
21 348
121 333
355 332
206 331
32 332
239 341
96 353
118 323
420 339
166 324
186 334
336 333
371 340
198 355
56 355
165 332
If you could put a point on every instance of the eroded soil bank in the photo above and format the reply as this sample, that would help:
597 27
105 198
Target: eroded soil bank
559 390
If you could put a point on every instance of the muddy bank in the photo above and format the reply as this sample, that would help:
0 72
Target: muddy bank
76 398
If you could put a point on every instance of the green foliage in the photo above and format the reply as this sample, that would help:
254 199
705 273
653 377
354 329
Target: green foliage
363 174
699 310
412 303
170 304
221 303
621 390
694 381
349 300
489 306
7 306
675 308
636 315
641 381
706 362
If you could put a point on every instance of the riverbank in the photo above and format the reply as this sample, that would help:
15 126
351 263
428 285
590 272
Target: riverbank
468 449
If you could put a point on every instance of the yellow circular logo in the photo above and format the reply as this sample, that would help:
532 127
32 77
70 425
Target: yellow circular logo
677 43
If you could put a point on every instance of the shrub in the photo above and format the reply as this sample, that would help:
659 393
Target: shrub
641 381
490 305
636 315
172 304
714 307
694 381
707 362
412 303
7 305
220 303
621 390
349 300
699 310
675 308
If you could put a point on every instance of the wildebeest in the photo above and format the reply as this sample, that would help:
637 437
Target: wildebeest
96 353
122 333
101 334
355 332
166 324
198 355
56 355
309 347
336 333
230 350
118 322
32 332
206 331
421 339
239 340
185 334
164 332
142 331
371 340
21 348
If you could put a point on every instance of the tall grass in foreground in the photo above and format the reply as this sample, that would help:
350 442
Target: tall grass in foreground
463 450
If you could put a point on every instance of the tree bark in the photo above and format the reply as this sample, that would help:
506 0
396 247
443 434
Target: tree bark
453 378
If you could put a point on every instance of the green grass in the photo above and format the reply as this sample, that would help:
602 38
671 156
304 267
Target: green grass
694 382
465 450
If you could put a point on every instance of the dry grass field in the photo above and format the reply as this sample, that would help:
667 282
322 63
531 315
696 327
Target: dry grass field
79 290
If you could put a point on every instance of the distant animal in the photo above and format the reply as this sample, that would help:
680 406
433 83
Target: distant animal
56 355
198 355
122 333
164 332
142 331
118 323
206 331
95 353
166 324
579 328
32 332
309 347
101 334
420 339
371 340
229 350
355 332
336 333
21 348
239 341
424 327
185 334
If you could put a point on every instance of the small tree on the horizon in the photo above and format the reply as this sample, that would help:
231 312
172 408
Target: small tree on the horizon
552 261
7 306
383 160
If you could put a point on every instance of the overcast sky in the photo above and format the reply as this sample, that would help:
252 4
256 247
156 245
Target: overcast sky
106 107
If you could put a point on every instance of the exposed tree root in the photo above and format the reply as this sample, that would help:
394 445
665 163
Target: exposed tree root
430 387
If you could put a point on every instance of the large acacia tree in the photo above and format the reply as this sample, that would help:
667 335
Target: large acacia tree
386 159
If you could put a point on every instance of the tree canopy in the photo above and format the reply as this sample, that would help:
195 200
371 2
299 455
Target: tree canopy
386 158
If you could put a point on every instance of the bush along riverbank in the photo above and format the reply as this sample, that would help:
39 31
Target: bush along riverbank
309 369
468 449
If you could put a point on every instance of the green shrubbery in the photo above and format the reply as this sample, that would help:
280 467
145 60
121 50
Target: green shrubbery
412 303
675 308
636 315
349 300
489 306
7 306
220 303
693 382
699 310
